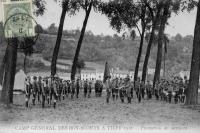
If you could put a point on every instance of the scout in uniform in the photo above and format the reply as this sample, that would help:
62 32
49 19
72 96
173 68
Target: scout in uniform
43 87
64 91
39 92
96 87
113 89
138 89
72 89
121 90
148 90
54 92
142 87
128 90
157 86
35 89
68 88
100 88
77 88
89 89
28 88
108 89
85 88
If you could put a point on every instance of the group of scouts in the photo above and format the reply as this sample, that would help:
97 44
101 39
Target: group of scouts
174 89
165 90
50 90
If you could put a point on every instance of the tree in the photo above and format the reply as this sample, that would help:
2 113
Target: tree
163 22
39 29
9 64
86 5
155 14
178 37
134 15
192 90
9 72
67 6
80 65
28 51
52 29
1 32
39 7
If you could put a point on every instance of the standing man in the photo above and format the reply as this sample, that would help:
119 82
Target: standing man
54 92
142 86
138 89
72 89
128 89
108 89
39 83
28 88
77 87
148 90
85 88
35 89
89 89
43 91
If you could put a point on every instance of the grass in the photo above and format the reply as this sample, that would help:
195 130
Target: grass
95 111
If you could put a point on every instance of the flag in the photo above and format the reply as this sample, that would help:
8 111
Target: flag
106 72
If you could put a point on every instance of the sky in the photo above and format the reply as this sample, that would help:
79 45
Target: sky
182 23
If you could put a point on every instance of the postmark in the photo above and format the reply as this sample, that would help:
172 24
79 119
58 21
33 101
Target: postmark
19 23
17 20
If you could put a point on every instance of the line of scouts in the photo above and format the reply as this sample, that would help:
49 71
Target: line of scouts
48 89
165 90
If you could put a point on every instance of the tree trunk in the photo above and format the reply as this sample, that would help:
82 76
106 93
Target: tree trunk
155 21
3 66
75 61
160 44
58 41
192 90
9 76
143 25
25 63
139 56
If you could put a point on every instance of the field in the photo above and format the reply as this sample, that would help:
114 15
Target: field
95 111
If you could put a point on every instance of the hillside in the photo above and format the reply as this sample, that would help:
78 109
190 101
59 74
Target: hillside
119 52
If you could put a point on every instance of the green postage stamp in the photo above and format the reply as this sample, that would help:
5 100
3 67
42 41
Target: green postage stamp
17 18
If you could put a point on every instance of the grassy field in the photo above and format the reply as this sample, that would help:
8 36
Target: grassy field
86 112
90 111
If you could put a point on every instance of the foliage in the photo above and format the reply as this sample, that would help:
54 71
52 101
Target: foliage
39 7
80 64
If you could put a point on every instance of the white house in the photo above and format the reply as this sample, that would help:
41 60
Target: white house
88 75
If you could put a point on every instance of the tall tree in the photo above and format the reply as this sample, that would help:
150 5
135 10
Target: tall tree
28 51
9 64
168 6
67 6
132 14
9 72
163 22
86 5
192 90
155 15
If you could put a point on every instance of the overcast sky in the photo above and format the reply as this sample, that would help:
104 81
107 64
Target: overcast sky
183 23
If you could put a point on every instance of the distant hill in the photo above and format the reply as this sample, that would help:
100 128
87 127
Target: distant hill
96 49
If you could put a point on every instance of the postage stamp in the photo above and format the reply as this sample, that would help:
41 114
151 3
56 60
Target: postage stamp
17 18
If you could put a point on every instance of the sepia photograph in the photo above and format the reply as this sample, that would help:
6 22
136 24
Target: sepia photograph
124 66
